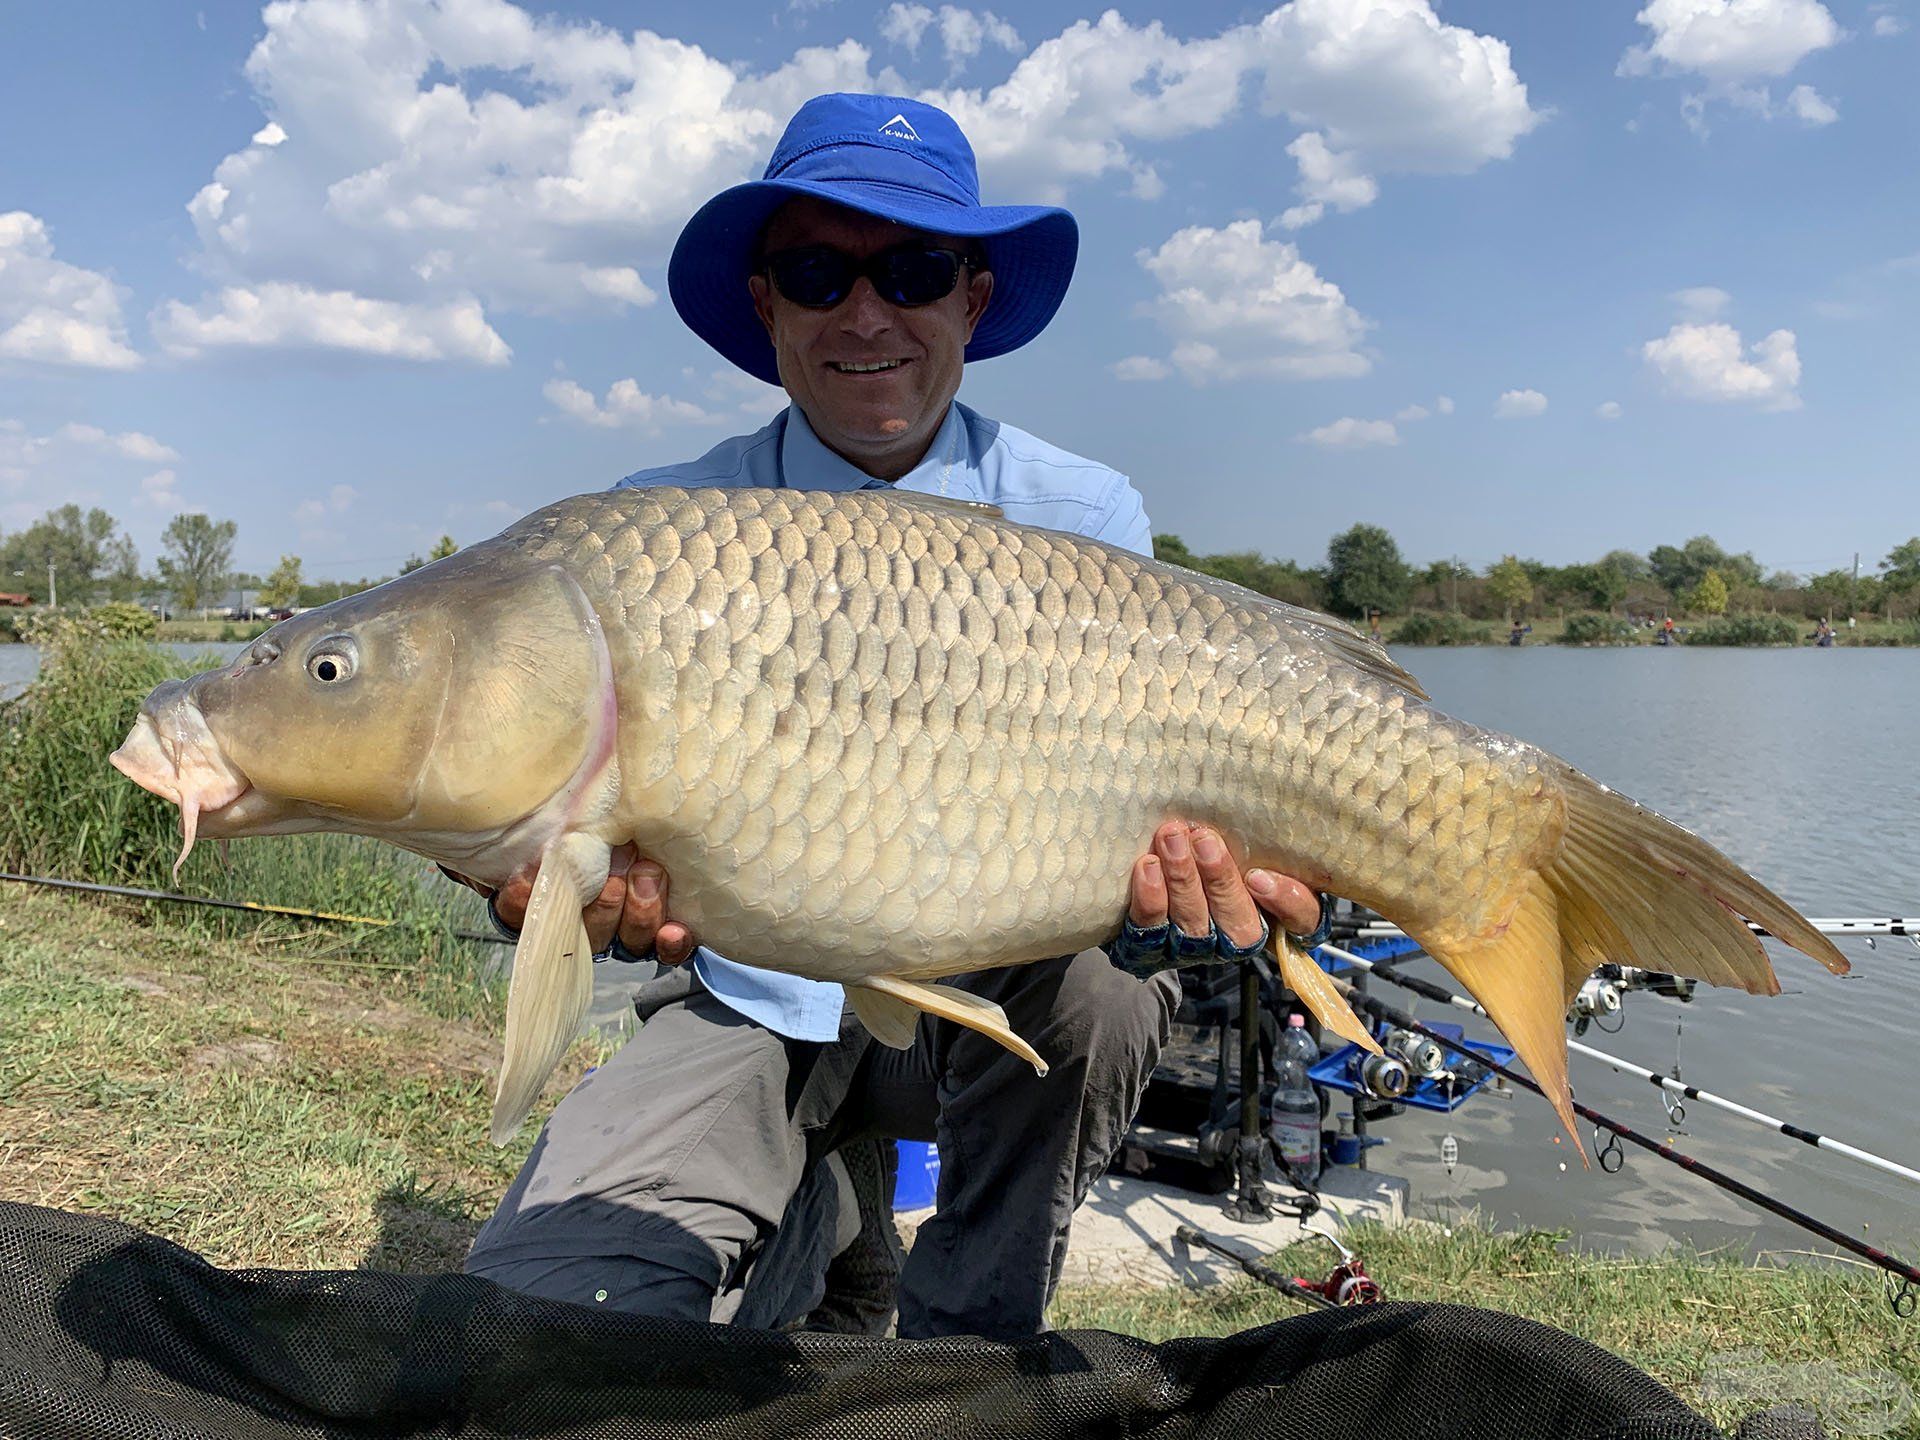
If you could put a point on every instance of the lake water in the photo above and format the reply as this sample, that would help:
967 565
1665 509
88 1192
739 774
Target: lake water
20 663
1800 765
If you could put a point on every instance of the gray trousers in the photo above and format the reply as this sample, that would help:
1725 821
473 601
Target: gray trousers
695 1157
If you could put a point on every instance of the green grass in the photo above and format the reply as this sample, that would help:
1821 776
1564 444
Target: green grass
1704 1325
65 812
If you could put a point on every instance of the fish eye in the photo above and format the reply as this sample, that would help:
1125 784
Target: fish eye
332 660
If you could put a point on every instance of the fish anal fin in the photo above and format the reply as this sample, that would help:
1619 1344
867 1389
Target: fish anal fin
1521 977
889 1019
552 983
962 1008
1319 994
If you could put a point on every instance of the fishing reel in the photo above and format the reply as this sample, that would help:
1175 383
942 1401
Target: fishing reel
1423 1057
1384 1077
1598 998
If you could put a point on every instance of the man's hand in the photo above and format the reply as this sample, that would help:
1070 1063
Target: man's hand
1188 877
632 904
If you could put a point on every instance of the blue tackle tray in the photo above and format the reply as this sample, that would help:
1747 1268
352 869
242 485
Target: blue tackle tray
1335 1072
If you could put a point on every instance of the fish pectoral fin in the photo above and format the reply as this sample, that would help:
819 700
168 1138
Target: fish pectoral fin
973 1011
552 982
1318 993
889 1019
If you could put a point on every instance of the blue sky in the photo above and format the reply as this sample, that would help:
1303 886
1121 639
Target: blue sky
1528 277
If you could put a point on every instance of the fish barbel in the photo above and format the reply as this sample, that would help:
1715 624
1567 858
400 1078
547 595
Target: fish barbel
881 738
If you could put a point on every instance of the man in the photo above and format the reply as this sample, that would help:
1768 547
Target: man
685 1177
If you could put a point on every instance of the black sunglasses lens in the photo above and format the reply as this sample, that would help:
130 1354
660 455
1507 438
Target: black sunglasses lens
813 278
919 277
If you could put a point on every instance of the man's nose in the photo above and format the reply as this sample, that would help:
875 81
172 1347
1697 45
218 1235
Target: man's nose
863 312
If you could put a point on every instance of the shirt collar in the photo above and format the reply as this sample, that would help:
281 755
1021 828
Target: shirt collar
949 467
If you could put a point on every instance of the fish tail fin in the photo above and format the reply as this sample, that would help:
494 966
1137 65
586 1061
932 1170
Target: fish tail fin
552 984
885 1004
1631 887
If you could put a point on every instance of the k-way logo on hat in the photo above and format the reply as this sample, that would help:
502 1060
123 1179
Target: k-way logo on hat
900 129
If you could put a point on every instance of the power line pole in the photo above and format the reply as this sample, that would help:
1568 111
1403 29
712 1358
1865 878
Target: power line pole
53 590
1853 587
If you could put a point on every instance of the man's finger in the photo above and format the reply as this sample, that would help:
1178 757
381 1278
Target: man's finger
646 907
1147 895
675 945
1295 906
510 901
1186 896
602 914
1230 905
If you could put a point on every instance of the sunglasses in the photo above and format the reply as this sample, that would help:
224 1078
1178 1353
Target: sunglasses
819 277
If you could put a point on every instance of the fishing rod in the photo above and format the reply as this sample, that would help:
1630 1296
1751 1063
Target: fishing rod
1666 1083
1285 1284
256 906
1853 925
1904 1299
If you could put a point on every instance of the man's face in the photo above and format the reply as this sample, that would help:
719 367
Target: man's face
882 420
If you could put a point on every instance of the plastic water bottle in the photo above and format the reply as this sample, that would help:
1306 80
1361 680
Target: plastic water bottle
1294 1121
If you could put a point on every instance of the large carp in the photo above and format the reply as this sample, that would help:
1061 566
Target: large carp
881 738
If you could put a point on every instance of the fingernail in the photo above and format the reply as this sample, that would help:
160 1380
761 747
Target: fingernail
1152 866
1177 845
646 882
1260 882
1207 846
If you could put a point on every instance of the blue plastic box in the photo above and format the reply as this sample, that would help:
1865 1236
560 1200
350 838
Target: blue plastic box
919 1176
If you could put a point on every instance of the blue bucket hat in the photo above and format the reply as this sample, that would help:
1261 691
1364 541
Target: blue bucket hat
882 155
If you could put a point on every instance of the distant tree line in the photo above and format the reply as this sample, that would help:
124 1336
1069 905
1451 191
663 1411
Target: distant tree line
87 558
84 558
1365 573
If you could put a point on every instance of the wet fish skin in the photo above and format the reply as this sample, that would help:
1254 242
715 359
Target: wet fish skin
880 739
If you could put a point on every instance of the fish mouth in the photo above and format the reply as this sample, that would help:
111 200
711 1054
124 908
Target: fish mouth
173 754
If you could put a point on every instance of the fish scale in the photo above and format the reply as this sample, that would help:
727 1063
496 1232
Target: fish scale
884 738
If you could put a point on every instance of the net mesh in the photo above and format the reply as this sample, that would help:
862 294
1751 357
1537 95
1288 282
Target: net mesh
109 1332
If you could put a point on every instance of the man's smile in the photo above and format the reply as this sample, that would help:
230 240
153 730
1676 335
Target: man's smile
863 367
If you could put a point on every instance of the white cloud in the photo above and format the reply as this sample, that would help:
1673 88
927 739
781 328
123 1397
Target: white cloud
1387 85
905 24
424 154
1141 367
1886 25
1442 405
1608 410
1239 306
1702 302
88 465
626 407
1735 46
735 390
1732 41
159 491
298 316
1710 362
1347 433
963 33
1519 405
1326 179
53 313
132 444
1810 106
1381 85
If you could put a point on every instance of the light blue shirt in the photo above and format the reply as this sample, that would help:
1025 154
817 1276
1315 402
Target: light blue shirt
972 458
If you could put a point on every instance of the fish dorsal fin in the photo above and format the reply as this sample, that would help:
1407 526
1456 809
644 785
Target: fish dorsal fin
949 504
1323 630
